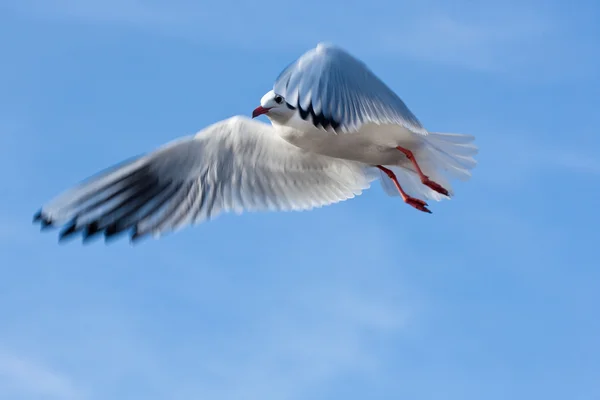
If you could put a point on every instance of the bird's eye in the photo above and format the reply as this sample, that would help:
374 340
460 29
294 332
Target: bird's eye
278 99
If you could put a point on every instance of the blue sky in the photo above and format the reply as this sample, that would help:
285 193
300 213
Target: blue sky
494 296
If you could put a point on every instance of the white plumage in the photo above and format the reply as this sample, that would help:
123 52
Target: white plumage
234 165
329 82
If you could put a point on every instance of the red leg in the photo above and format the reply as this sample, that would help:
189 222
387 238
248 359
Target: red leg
424 178
416 203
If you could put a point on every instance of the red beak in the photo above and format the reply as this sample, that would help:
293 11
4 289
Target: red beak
259 111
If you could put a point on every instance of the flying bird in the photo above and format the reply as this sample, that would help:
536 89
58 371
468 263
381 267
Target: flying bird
335 128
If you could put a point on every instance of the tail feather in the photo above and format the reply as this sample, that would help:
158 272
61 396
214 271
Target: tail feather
451 154
456 138
443 157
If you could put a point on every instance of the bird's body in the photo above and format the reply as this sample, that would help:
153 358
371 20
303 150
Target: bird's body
371 144
377 145
335 127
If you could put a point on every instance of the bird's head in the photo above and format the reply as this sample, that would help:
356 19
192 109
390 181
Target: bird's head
274 107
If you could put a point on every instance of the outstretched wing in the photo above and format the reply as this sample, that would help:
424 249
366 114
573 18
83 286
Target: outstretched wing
328 84
234 165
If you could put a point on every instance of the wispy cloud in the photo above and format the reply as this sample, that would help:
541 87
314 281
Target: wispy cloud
512 157
130 12
313 343
323 323
523 39
575 161
474 43
24 378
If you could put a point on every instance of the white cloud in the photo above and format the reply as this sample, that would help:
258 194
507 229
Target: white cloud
22 378
132 12
520 38
482 43
320 337
282 347
312 324
575 160
524 40
511 158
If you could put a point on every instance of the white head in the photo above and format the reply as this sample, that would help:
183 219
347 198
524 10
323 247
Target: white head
274 107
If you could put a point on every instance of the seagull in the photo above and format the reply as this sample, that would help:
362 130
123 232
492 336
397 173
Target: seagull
329 102
335 128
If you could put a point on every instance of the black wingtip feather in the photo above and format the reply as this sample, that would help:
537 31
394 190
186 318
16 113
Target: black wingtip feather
137 237
45 222
91 231
114 232
110 230
69 232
